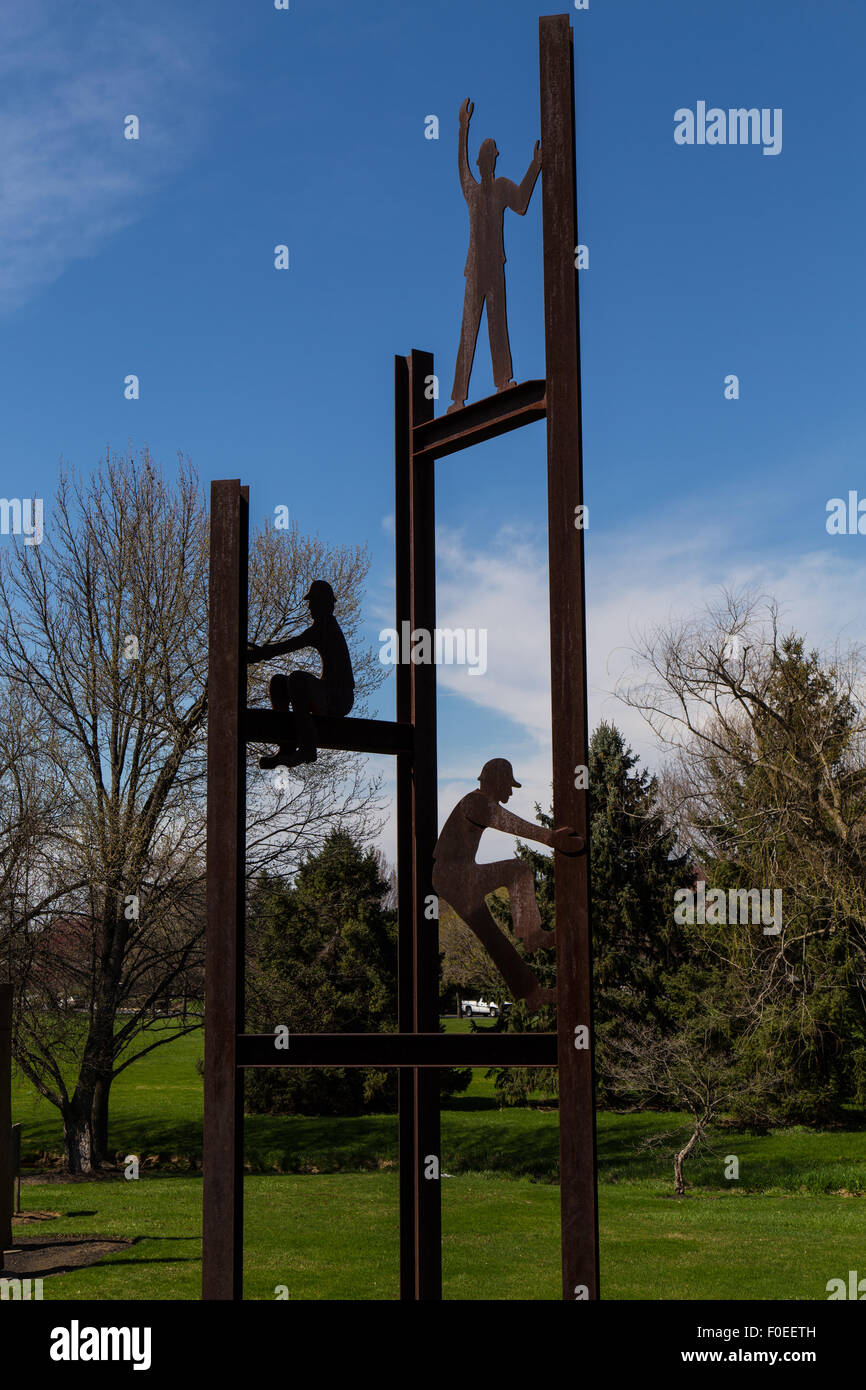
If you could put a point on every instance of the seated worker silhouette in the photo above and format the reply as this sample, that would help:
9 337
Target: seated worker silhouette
301 692
463 884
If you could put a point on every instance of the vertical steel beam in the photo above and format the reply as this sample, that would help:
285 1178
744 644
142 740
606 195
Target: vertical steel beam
568 660
422 681
222 1231
6 1179
406 1076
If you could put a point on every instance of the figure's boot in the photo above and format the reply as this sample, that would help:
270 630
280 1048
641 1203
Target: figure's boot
305 754
279 759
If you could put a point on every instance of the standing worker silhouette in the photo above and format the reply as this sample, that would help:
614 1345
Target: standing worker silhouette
464 885
301 692
485 263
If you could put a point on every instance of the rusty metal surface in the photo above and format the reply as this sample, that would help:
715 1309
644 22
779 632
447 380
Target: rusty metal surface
6 1181
407 1076
481 420
485 1048
568 658
222 1215
348 735
487 199
424 817
464 884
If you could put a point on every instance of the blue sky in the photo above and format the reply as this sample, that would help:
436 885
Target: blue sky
306 127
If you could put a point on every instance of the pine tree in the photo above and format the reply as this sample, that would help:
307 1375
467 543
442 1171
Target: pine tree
323 960
634 871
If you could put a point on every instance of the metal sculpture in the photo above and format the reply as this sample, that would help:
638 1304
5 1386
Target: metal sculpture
487 201
464 885
300 694
418 1049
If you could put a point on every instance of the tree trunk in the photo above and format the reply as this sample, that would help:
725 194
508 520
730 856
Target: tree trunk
78 1133
680 1159
99 1118
94 1080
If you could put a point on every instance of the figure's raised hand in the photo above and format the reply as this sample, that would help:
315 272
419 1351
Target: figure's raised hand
566 841
466 111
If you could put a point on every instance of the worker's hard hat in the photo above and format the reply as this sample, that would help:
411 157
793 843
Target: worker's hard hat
320 588
499 768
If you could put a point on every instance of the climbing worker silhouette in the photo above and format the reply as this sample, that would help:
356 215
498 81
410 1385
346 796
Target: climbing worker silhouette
463 884
485 263
301 692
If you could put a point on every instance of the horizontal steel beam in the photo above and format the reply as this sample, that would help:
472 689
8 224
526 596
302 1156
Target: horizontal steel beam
484 419
483 1049
347 735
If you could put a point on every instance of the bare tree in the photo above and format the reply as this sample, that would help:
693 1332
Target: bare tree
766 783
697 1067
103 647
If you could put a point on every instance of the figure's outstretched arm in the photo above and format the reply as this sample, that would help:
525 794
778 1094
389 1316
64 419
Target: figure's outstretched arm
271 649
468 180
518 198
563 838
516 825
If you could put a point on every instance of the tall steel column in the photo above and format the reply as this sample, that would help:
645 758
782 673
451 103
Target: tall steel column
6 1198
222 1252
568 660
406 1076
422 684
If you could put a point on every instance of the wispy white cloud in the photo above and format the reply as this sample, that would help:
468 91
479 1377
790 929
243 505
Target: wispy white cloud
638 579
68 178
503 590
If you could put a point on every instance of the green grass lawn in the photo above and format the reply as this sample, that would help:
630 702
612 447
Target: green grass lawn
156 1113
321 1201
335 1237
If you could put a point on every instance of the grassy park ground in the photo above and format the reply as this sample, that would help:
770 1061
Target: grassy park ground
321 1201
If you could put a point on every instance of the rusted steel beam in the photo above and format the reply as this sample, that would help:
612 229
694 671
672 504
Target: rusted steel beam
407 1076
568 661
480 420
422 684
222 1216
406 1050
6 1176
348 735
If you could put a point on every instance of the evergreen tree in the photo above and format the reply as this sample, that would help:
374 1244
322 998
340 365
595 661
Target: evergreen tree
787 813
634 873
323 960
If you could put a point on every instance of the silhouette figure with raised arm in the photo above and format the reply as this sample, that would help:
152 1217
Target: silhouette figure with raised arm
301 693
463 884
485 263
